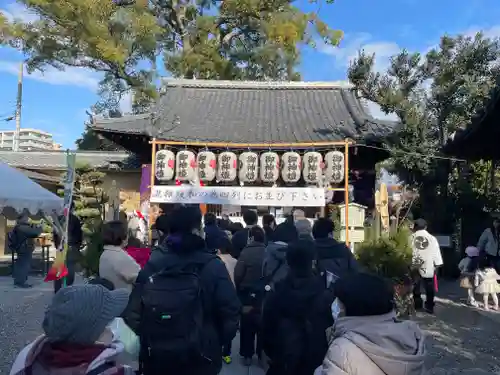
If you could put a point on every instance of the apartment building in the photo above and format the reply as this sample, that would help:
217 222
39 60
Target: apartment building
29 140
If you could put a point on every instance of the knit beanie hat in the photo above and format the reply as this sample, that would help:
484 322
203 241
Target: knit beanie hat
304 228
363 294
80 313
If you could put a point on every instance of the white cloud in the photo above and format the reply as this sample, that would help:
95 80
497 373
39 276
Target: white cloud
349 48
15 11
384 49
69 77
377 112
126 103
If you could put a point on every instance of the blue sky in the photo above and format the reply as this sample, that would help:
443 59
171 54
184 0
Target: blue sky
56 101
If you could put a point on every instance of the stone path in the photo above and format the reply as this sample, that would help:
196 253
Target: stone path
461 340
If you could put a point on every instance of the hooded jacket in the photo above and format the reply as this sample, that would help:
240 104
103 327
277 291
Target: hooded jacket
335 257
297 303
38 358
219 295
248 269
275 262
374 345
213 237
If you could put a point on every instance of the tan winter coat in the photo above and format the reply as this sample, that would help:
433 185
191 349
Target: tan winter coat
230 263
374 345
117 266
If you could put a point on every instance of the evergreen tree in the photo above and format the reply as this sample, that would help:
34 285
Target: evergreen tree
92 141
433 95
90 199
230 39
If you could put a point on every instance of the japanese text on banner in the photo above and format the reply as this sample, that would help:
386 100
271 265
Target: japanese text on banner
240 196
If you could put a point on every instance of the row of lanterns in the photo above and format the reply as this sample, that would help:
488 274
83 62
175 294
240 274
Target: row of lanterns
249 166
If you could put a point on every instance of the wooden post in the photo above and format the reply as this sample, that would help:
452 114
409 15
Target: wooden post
152 184
346 190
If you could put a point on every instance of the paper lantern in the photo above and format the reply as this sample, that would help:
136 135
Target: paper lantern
269 166
312 169
290 167
334 166
227 164
206 163
164 165
248 167
185 165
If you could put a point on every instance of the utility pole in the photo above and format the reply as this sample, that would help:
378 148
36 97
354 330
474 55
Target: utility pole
19 105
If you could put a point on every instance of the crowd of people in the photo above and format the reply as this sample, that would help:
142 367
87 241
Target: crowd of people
298 298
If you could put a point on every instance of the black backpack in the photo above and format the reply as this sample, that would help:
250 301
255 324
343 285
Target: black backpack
173 315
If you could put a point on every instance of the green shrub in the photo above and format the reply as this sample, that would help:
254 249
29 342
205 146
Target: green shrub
93 251
390 257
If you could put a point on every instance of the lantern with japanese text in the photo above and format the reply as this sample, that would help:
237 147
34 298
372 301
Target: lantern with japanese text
185 164
290 169
164 165
206 162
312 162
227 163
269 166
334 167
248 167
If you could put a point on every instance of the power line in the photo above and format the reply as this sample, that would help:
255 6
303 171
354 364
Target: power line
415 153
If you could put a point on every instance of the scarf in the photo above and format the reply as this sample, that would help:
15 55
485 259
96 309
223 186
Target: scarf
47 358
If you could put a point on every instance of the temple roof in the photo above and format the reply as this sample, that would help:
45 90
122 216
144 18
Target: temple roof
251 113
479 140
56 160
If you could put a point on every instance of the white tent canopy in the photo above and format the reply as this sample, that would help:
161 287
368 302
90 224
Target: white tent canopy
19 194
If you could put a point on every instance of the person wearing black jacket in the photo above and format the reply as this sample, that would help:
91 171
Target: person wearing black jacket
75 241
269 226
296 315
247 279
213 234
240 238
331 255
185 245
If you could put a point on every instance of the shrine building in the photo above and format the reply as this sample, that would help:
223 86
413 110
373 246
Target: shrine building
238 134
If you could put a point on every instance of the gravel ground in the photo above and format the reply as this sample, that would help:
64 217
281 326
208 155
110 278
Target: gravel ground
460 340
21 314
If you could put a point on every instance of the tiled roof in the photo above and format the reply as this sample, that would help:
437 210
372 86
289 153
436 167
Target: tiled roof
40 176
57 159
253 112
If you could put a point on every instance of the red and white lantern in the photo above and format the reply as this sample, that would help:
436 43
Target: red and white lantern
290 166
334 167
248 167
312 169
207 164
185 165
269 167
164 165
227 165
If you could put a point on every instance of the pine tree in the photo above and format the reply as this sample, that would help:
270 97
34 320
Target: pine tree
432 95
90 199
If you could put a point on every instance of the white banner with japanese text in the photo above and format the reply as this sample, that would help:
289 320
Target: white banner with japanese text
240 196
